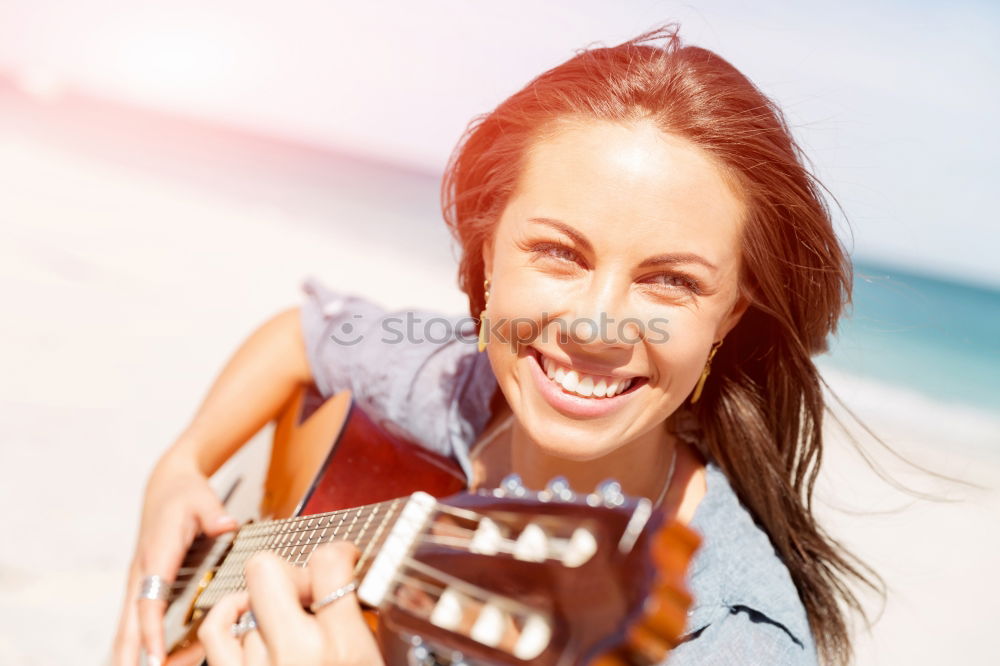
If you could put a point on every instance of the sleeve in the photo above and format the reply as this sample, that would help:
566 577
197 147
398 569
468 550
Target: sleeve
742 636
415 373
337 329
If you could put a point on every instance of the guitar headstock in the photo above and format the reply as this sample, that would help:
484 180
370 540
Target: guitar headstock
514 576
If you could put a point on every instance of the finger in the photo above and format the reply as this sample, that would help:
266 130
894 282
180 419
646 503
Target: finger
299 578
125 651
161 556
331 567
275 599
212 516
150 615
254 650
222 648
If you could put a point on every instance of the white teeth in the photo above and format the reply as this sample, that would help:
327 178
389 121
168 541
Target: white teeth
570 381
581 384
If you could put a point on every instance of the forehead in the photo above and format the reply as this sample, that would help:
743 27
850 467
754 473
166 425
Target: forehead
604 178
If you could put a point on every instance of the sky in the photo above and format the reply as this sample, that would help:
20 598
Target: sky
894 103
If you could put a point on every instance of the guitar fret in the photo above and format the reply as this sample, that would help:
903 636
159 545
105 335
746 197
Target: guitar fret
295 539
286 537
336 530
364 528
360 567
313 527
301 544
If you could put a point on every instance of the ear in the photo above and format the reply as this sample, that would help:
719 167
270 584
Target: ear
488 258
735 313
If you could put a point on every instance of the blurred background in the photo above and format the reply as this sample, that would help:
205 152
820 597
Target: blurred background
170 172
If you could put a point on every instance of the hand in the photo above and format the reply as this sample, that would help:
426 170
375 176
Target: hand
179 504
336 635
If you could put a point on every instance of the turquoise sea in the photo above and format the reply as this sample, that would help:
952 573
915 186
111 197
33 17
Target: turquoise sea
932 335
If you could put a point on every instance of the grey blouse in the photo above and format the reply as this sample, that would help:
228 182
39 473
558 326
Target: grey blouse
420 372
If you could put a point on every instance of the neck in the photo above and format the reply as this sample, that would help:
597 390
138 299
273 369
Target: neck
294 539
641 466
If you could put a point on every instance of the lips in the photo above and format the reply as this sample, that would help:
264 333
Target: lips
577 393
583 384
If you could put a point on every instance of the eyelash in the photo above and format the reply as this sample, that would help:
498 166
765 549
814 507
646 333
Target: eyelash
552 250
561 252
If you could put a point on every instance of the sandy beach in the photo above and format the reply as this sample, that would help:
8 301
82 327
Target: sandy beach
134 259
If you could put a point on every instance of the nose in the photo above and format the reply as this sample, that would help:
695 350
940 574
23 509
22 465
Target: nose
599 317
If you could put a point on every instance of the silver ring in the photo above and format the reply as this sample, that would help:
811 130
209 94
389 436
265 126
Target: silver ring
245 625
155 588
339 593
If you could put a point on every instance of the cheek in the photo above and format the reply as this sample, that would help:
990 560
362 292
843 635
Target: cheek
522 298
680 360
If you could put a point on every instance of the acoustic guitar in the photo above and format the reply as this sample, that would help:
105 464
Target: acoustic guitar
504 576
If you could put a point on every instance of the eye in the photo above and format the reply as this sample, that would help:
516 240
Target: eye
556 251
674 282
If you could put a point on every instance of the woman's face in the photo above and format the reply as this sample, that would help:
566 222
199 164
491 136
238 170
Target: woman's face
613 269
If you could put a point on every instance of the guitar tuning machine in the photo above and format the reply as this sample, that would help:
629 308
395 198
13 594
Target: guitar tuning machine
511 486
608 492
558 488
418 654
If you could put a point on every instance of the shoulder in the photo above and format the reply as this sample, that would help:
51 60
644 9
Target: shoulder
412 370
747 609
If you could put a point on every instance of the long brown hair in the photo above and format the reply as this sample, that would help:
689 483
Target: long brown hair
762 408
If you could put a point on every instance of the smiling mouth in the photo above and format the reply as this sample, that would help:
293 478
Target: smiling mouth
584 385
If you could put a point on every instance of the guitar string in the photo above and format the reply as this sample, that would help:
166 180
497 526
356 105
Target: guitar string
356 529
469 589
506 545
315 523
295 554
235 581
308 524
461 540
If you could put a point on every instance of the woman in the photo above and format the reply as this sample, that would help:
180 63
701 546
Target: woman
653 268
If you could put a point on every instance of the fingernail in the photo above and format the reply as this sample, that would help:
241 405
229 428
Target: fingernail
224 521
154 661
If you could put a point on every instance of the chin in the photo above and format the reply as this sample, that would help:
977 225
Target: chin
572 440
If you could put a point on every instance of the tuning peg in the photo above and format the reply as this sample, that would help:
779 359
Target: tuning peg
511 486
609 493
418 654
559 488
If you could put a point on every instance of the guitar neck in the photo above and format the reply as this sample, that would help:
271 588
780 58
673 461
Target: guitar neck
294 540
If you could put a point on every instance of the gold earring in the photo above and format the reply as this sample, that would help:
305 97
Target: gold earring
704 373
482 315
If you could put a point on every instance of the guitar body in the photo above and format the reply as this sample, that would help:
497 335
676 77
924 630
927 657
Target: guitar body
332 456
500 576
326 455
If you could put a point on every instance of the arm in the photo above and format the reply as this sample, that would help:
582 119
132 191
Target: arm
249 392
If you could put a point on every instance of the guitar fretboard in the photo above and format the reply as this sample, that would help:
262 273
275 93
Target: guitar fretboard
295 539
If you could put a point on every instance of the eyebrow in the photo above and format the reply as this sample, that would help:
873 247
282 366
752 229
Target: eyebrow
670 258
